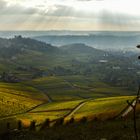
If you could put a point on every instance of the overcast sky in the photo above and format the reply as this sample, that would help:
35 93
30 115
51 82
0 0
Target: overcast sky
70 15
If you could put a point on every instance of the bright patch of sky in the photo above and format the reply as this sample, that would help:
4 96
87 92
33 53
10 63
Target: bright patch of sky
70 15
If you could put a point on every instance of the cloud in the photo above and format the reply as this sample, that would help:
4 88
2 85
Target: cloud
60 10
2 4
67 11
90 0
66 14
15 9
117 19
103 16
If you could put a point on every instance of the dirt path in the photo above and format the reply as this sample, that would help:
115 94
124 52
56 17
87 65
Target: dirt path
50 100
72 112
76 109
129 108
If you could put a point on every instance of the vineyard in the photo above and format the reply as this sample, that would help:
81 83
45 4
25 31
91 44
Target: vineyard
59 97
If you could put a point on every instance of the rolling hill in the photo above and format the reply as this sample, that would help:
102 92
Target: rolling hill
72 81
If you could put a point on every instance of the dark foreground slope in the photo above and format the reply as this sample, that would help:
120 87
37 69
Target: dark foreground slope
95 130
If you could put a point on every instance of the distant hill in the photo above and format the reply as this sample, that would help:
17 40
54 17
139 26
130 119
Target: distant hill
26 58
19 45
100 41
81 48
20 53
26 48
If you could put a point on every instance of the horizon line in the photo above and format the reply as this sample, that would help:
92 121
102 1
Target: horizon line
70 30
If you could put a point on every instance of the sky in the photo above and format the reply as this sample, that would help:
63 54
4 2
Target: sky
95 15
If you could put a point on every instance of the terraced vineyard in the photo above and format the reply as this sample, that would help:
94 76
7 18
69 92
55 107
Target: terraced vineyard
21 89
65 105
13 104
77 87
52 111
15 99
103 108
57 88
60 97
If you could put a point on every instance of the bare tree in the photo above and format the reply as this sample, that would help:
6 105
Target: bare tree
134 105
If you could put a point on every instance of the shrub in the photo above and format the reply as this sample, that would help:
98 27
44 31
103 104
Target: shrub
19 125
59 122
71 120
83 120
32 125
45 124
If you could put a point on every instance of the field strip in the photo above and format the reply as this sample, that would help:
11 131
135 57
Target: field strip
44 92
77 87
14 115
51 110
69 83
29 97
